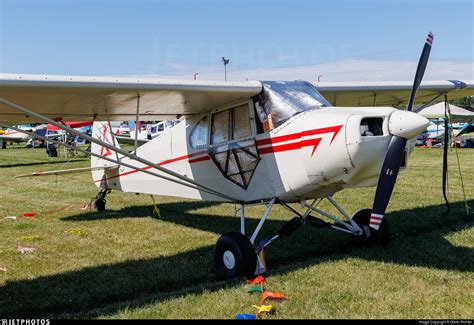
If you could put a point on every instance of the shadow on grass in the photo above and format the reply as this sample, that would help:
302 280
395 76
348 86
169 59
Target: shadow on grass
99 290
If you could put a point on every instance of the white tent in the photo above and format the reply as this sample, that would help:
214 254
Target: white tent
458 114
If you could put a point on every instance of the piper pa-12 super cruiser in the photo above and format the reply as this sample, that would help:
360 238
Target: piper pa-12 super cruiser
268 142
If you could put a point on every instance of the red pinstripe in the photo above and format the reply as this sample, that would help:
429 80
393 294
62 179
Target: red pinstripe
271 149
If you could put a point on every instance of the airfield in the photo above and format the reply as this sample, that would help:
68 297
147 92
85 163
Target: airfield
131 263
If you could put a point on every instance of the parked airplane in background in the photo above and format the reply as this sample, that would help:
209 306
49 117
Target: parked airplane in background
434 131
120 128
143 135
10 135
248 142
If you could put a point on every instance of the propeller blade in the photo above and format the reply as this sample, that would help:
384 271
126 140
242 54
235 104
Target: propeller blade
396 149
420 71
388 177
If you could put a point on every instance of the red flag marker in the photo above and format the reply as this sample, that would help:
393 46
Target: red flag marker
257 280
271 295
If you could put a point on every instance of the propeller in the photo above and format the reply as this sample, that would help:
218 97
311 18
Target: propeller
403 125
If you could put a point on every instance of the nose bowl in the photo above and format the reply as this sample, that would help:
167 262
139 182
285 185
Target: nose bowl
407 124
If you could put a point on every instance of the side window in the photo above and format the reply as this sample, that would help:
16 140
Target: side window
231 124
241 126
220 127
198 136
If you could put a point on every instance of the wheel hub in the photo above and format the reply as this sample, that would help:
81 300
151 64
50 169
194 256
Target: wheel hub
229 260
366 230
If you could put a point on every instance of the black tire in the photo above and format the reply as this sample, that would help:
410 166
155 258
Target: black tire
371 236
234 256
99 205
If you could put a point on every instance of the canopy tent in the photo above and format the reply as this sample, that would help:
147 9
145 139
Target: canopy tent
458 114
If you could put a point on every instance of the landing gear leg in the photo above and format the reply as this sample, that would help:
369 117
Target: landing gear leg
235 254
4 144
100 201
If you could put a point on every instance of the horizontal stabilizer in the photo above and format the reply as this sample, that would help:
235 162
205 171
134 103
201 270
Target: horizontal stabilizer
129 140
66 171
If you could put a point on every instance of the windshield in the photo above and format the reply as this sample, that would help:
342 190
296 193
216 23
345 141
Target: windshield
281 100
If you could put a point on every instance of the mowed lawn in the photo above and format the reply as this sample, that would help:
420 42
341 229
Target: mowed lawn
129 263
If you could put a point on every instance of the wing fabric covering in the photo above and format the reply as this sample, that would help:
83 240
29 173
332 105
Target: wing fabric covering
391 93
115 99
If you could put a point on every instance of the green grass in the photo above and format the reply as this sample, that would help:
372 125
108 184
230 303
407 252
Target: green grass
129 263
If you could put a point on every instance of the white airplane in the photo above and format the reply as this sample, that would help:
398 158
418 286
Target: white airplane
434 131
11 135
151 132
265 142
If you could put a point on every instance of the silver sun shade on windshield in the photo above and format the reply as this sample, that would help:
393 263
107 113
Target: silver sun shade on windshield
281 100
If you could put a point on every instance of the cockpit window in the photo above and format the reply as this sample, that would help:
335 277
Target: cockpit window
231 125
198 137
281 100
220 128
241 126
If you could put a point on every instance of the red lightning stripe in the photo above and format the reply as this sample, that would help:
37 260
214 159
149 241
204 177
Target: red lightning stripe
271 149
292 146
293 136
107 150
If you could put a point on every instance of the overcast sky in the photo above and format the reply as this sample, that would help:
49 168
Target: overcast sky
294 39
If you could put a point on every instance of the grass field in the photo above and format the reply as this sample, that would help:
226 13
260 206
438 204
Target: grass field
129 263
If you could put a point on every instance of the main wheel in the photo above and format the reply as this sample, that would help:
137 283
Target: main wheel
370 235
234 256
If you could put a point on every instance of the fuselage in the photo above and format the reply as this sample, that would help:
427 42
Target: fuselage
10 135
314 153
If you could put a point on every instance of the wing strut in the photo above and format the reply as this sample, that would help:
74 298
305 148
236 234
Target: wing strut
146 171
115 149
137 125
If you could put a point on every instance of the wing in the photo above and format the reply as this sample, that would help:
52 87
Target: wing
13 138
391 93
104 98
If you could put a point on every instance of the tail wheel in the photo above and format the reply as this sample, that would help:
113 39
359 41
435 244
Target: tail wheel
370 235
100 201
99 204
234 256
